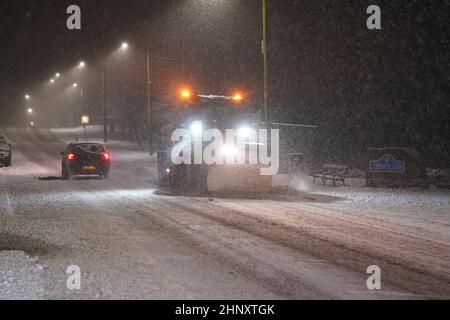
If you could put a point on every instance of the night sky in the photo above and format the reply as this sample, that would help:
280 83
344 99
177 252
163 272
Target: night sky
363 88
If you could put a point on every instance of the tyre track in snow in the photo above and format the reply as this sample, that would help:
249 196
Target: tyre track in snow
159 214
5 200
341 248
148 220
352 228
27 143
187 217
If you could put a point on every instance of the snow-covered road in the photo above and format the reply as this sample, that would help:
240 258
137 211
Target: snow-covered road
131 243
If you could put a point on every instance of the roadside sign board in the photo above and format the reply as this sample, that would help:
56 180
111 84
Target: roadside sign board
387 164
85 119
395 167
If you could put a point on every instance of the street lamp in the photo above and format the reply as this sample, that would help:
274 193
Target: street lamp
186 94
238 97
30 111
57 75
124 46
82 64
75 87
52 80
27 96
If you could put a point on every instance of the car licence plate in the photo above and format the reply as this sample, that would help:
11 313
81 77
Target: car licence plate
89 168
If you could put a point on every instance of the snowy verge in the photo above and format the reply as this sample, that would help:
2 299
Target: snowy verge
20 277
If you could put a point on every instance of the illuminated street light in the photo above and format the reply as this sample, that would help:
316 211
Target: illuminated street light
52 80
186 94
57 75
30 111
75 85
238 97
27 96
124 46
82 64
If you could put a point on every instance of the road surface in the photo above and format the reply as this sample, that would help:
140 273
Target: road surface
131 242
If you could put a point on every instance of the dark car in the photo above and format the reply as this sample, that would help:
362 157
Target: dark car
5 154
85 159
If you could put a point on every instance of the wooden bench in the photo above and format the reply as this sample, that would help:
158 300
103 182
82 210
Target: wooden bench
330 172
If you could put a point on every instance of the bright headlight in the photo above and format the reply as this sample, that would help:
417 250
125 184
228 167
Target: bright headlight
229 150
197 128
244 132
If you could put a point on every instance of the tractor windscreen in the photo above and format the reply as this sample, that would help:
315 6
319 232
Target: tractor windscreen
220 117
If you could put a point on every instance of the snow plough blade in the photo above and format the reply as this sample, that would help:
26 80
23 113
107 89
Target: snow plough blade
237 179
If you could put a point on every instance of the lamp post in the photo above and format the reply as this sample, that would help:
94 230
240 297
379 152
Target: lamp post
149 113
123 47
149 108
265 62
85 121
105 120
74 107
79 89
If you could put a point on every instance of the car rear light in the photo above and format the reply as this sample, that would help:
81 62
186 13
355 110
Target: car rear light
70 157
106 156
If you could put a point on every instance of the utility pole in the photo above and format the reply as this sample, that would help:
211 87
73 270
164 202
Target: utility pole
264 52
83 112
84 108
74 110
149 108
105 120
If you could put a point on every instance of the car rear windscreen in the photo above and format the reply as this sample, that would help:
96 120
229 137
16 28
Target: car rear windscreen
93 148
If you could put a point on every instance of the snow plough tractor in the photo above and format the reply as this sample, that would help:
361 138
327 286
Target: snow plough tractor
216 148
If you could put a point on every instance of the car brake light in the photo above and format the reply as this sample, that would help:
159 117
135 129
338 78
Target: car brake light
106 156
70 157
